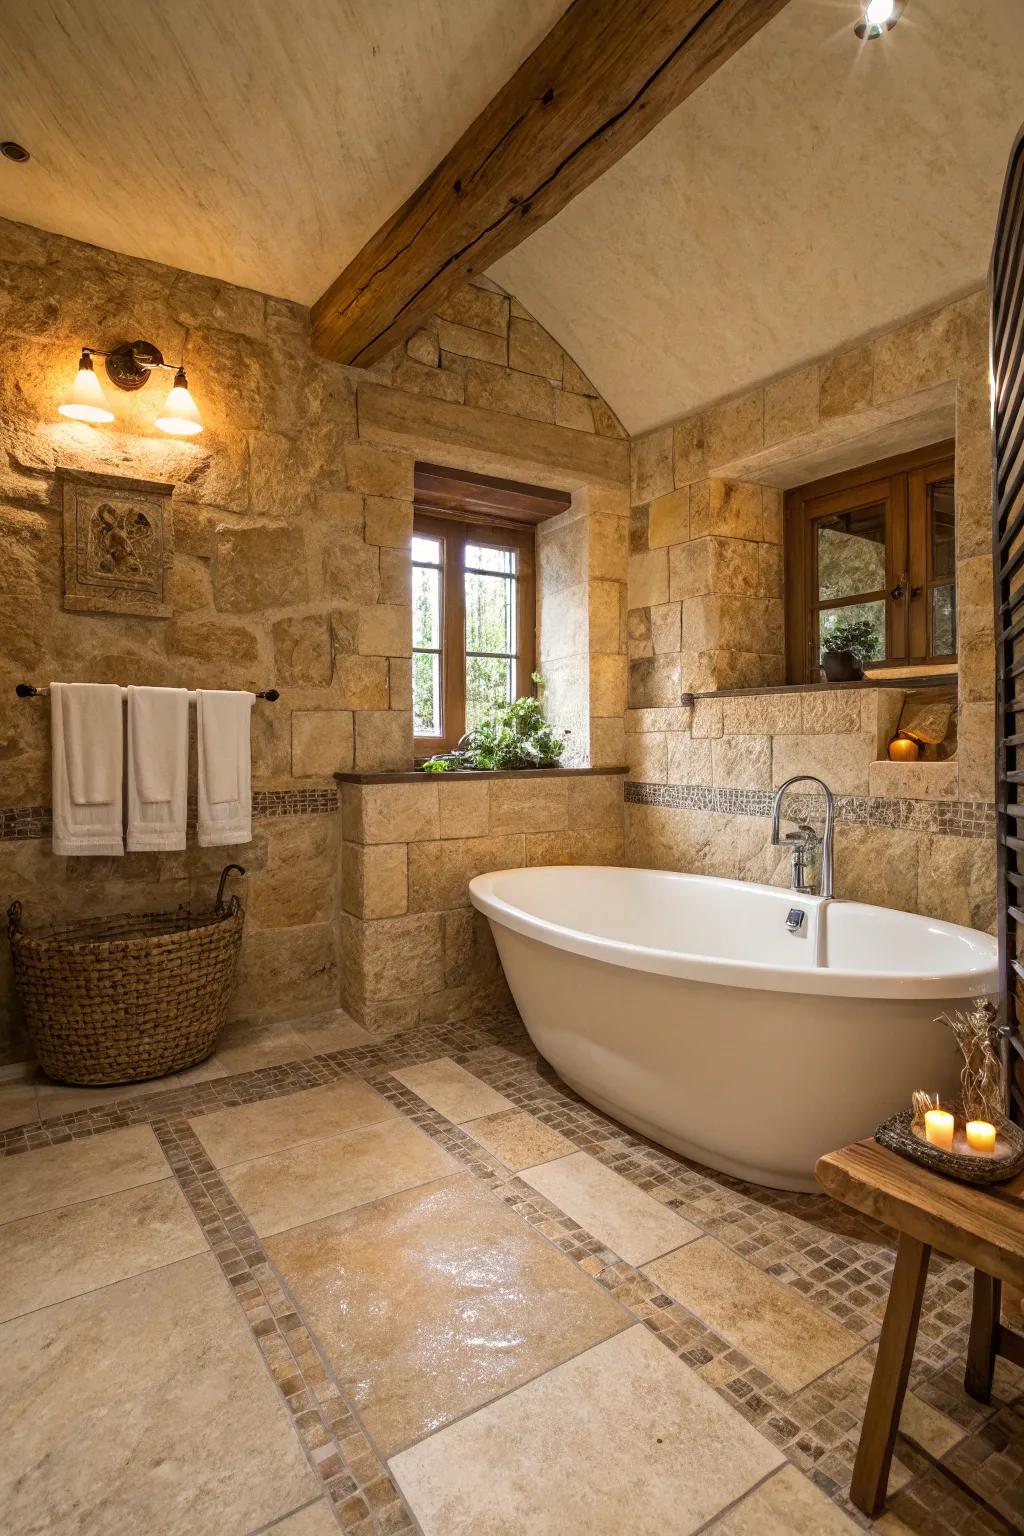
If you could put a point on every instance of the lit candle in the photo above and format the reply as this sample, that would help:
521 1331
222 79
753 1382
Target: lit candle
938 1129
981 1137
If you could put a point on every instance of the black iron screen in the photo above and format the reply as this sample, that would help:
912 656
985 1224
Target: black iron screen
1008 548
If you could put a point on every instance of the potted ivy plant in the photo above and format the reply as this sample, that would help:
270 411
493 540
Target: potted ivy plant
515 736
845 649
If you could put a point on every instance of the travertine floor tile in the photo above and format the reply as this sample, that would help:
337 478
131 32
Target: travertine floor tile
57 1254
624 1438
436 1300
891 1525
632 1224
245 1047
252 1130
520 1140
17 1104
788 1504
177 1428
58 1175
320 1177
315 1520
67 1099
451 1090
930 1428
787 1337
332 1032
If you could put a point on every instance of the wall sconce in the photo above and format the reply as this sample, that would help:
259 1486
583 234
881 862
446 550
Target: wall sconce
129 367
86 402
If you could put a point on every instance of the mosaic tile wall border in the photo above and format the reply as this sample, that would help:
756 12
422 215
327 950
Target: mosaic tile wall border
18 822
954 818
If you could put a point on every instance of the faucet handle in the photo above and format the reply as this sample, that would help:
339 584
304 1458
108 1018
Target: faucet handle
803 837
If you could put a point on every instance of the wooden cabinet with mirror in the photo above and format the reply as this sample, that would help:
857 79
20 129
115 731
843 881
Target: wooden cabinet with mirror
876 545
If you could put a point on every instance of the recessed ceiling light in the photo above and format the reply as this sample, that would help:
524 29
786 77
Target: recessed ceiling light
880 16
15 152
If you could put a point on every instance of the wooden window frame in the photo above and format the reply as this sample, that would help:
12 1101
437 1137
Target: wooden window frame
455 532
902 484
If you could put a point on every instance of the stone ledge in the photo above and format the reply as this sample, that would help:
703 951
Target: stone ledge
474 775
936 680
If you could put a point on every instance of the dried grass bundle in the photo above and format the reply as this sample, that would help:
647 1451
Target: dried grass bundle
981 1077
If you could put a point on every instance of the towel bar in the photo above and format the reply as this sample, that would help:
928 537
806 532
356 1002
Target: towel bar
30 691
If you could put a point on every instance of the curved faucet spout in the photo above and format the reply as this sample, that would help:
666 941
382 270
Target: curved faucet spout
800 841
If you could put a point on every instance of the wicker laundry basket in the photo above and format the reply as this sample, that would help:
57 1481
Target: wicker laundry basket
119 999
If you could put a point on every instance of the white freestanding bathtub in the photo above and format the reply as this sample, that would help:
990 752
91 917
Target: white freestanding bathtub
682 1006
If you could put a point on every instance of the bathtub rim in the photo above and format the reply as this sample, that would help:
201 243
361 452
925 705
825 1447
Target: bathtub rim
749 974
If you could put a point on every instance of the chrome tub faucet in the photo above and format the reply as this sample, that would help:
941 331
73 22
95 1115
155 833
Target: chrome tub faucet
808 849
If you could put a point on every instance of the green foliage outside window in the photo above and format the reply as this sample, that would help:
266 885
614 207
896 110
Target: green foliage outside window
859 636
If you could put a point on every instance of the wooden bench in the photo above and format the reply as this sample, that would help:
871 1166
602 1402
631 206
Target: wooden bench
983 1227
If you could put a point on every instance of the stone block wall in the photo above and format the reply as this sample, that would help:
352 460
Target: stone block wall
413 949
291 515
581 562
706 614
291 521
563 630
699 799
705 590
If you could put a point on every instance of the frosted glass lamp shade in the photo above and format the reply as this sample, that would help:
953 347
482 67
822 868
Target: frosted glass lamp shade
86 400
180 415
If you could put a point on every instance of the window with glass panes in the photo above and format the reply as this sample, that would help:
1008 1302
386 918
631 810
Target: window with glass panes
875 545
473 625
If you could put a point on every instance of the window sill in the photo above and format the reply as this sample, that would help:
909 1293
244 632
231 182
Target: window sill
898 680
465 774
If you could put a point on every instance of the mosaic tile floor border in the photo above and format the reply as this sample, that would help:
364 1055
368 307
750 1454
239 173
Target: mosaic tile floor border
839 1261
364 1498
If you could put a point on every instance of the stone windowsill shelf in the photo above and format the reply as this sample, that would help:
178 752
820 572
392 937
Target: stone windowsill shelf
457 774
934 680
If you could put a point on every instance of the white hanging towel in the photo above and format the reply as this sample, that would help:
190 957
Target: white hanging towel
87 744
225 767
157 769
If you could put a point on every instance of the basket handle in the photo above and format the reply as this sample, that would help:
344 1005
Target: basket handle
219 903
13 919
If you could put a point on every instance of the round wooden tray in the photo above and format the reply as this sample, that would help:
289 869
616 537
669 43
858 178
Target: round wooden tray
969 1167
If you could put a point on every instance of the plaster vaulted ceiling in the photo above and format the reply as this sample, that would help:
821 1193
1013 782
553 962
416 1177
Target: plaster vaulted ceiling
812 191
261 141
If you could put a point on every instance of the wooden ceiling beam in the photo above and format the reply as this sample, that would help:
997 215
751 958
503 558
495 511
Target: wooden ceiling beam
603 77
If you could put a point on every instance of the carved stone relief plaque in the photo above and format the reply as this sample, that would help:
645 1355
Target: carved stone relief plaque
117 545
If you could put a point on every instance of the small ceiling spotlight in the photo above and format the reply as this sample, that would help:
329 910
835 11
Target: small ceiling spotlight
16 152
880 16
129 367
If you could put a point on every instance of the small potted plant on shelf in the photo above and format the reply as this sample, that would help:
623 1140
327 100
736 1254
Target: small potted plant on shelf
516 736
845 649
